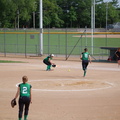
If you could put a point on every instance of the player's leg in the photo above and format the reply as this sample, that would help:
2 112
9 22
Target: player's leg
27 103
48 65
118 62
83 67
85 64
21 105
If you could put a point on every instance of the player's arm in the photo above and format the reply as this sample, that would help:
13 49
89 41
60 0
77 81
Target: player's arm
31 95
81 56
17 93
89 58
51 61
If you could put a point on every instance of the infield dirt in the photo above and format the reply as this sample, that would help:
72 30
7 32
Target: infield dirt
50 101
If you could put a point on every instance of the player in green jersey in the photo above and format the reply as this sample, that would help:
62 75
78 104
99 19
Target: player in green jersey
25 97
85 57
48 62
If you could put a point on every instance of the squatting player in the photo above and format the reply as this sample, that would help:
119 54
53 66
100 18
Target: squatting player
48 62
24 93
85 57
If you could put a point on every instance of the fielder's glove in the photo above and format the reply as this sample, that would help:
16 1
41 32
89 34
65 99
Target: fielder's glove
53 65
13 103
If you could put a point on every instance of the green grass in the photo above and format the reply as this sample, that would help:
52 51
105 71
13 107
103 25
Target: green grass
53 43
8 61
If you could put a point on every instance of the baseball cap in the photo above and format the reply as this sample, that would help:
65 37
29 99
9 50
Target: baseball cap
52 55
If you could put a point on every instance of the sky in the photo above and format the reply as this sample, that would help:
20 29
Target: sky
111 0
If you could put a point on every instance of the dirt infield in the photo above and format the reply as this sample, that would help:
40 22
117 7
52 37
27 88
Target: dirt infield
62 94
101 36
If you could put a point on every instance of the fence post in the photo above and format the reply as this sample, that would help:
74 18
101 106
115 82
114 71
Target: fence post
4 44
48 41
25 44
66 42
36 49
59 43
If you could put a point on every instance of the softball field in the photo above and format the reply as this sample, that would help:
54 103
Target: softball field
62 94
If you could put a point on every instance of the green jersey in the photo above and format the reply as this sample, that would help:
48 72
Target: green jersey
48 58
85 56
25 89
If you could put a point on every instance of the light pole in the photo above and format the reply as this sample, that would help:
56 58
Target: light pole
41 27
92 23
106 14
106 20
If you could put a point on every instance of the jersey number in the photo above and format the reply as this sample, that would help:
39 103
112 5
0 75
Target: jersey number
24 90
86 55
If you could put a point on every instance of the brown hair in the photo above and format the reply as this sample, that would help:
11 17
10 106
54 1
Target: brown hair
85 49
24 79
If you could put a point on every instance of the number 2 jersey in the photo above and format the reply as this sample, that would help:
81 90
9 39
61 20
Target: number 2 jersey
25 89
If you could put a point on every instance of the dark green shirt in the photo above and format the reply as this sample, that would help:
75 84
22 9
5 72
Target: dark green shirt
25 89
48 58
85 56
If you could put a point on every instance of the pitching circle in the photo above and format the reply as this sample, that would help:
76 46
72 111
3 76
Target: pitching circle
69 85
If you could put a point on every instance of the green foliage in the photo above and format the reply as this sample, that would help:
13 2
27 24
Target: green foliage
72 15
101 11
51 14
10 9
57 13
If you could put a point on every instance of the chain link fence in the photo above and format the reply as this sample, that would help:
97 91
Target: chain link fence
61 42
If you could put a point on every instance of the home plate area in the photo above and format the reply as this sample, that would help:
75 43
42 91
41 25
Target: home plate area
69 85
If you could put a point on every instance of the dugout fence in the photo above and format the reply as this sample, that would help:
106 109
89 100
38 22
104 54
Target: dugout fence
26 42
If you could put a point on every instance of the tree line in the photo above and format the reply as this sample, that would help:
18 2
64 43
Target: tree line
57 13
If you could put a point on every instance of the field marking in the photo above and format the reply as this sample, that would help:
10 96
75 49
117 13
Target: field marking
90 67
50 90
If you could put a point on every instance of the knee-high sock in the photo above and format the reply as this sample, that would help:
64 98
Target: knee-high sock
25 117
48 67
84 72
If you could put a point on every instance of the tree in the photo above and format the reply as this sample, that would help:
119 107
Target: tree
57 13
84 13
24 8
51 14
81 12
10 9
102 9
7 9
72 16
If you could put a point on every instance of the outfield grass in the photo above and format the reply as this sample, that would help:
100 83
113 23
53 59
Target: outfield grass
7 61
53 43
